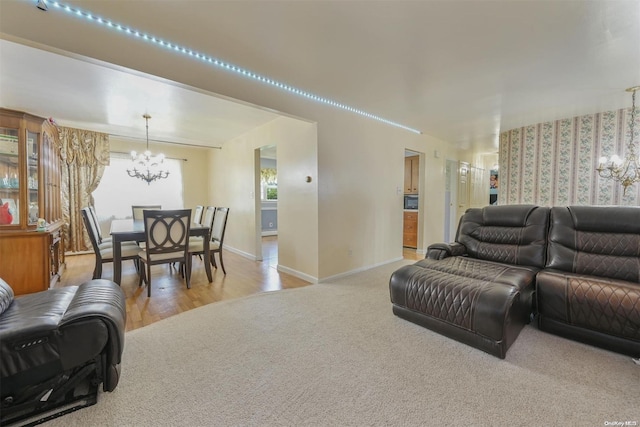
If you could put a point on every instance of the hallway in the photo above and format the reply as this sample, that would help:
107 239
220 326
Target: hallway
270 251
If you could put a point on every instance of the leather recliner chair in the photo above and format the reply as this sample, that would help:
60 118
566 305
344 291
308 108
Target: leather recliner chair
57 347
479 289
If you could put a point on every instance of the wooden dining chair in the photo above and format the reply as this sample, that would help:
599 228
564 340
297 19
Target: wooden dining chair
196 244
104 252
94 216
166 241
217 235
137 210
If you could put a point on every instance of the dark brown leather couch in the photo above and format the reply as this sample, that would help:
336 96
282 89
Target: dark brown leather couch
590 288
479 289
56 347
583 262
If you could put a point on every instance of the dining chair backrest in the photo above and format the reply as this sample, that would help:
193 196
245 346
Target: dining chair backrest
219 225
91 229
167 231
137 210
197 214
217 235
207 217
94 216
103 253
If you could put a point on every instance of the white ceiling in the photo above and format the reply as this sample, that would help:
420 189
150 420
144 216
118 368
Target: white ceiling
85 95
461 71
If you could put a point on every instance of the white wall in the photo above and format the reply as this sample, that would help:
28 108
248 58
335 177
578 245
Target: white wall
349 218
232 176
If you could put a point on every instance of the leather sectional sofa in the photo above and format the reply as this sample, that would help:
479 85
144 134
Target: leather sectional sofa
56 347
576 269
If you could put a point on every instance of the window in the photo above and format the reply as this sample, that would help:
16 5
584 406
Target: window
269 183
118 191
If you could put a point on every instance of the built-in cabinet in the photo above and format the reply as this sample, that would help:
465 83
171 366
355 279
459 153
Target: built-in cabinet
411 174
31 255
410 234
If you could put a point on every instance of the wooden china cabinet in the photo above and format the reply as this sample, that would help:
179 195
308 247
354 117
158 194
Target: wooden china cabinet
31 257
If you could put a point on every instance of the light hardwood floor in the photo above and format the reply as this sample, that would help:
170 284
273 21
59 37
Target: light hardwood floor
169 294
408 253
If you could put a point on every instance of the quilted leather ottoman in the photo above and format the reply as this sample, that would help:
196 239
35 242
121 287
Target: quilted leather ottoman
478 290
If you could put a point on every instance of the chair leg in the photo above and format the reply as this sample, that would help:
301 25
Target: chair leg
183 268
148 280
213 259
97 270
141 276
187 271
221 262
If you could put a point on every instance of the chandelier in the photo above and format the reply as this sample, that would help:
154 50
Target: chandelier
624 170
146 166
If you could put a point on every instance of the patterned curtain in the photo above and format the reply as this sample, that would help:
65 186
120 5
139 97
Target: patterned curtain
84 155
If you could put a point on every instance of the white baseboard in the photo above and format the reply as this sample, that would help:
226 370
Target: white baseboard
359 270
309 278
242 253
297 274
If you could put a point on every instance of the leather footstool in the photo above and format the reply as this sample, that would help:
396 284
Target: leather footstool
480 303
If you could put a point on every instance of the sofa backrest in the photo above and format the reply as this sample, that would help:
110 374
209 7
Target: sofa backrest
513 234
596 240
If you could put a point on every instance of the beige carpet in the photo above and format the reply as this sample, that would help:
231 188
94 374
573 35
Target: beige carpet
334 355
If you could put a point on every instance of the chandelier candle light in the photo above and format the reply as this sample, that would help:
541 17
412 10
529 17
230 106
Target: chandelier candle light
627 170
146 166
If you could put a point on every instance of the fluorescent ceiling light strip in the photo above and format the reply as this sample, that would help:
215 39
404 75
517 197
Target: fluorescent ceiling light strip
222 64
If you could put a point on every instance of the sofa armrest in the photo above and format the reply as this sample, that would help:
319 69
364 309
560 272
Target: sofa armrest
102 300
444 250
99 298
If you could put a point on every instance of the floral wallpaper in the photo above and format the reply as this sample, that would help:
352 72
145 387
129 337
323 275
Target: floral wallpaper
553 163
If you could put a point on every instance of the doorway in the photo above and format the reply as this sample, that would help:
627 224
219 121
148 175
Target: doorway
411 219
267 205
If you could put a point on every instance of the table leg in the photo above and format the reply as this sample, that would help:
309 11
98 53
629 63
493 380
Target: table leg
117 259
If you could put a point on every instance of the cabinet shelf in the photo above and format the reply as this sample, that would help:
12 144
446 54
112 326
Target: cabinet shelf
29 157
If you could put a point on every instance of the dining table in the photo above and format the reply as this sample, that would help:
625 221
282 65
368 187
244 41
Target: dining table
127 230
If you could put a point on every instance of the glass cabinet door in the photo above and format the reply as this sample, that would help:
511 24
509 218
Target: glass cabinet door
9 177
32 177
